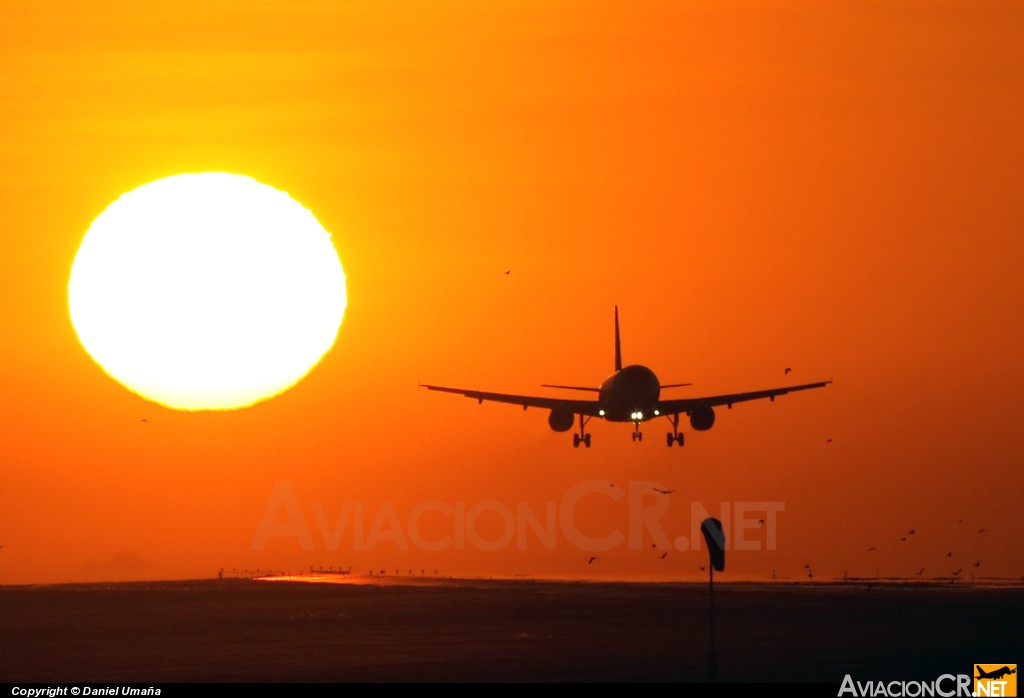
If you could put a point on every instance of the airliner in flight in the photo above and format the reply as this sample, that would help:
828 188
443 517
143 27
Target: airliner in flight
631 394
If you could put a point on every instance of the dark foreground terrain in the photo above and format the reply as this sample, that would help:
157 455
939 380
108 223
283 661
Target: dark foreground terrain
240 630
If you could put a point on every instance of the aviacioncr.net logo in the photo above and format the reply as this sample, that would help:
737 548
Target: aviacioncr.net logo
995 680
946 686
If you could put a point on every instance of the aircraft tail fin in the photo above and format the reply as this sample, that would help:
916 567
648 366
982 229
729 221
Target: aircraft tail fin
618 348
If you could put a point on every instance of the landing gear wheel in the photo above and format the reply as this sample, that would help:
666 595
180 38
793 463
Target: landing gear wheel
583 437
674 435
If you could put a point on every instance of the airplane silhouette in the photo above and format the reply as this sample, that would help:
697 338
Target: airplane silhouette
630 394
996 674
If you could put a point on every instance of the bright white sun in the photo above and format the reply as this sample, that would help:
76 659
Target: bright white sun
206 291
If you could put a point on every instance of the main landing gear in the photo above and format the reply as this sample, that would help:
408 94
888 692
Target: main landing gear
674 436
583 437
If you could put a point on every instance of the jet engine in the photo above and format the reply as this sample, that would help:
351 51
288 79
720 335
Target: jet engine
702 418
561 419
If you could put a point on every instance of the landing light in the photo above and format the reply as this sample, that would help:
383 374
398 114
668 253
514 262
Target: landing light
656 413
600 413
639 415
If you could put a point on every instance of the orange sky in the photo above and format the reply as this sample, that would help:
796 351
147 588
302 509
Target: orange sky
834 187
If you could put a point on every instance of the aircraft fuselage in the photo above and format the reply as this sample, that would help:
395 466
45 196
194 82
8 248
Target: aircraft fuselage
630 394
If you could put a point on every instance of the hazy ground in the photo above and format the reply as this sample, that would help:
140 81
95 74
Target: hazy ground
240 630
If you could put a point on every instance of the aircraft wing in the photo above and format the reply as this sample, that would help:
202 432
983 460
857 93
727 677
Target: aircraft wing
586 407
689 403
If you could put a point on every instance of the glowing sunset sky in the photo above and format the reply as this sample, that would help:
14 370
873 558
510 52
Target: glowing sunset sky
833 187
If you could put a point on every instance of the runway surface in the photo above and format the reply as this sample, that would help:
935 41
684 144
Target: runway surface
480 630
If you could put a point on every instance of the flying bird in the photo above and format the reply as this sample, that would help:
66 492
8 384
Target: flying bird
828 441
949 554
978 563
591 560
912 531
662 491
787 371
872 549
981 530
664 555
761 521
920 572
957 573
702 568
904 539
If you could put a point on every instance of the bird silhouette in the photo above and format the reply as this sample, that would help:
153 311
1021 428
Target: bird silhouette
828 441
702 568
904 539
761 521
591 560
912 531
957 573
920 572
981 530
664 555
872 549
949 554
787 371
976 564
662 491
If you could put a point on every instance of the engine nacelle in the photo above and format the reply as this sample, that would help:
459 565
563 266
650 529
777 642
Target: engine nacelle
702 418
561 419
